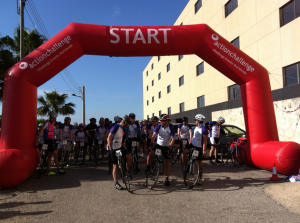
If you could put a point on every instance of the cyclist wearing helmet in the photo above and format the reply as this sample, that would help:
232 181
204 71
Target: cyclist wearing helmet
215 127
184 132
133 135
91 132
165 140
48 131
81 136
198 142
100 131
116 142
65 134
150 129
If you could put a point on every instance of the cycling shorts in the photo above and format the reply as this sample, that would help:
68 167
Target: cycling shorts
114 158
51 147
129 143
78 144
178 141
165 151
91 141
214 141
200 156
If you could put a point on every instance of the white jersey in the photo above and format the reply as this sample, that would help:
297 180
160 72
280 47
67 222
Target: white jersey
116 141
164 135
132 130
199 132
184 130
100 133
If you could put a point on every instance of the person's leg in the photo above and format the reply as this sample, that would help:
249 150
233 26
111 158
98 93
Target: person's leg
167 167
184 155
150 158
129 161
49 160
115 172
55 155
201 168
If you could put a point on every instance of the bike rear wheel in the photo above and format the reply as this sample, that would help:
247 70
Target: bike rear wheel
238 156
124 175
153 175
191 175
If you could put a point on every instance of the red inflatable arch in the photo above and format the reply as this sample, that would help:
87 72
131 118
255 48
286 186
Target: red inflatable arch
18 155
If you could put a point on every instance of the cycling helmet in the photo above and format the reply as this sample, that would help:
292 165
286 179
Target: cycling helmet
154 118
81 125
52 114
221 120
128 120
101 120
164 117
185 119
131 115
106 119
199 117
67 118
93 120
41 125
117 119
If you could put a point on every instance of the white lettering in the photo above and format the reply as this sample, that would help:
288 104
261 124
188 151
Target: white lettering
115 35
136 37
165 34
152 35
127 34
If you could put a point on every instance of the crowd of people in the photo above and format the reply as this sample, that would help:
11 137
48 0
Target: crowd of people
155 133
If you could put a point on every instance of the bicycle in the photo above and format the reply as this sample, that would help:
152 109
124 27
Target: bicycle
43 161
78 152
122 170
234 152
179 152
61 157
97 152
155 169
134 164
192 172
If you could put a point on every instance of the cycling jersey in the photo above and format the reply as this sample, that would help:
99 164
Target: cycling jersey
143 128
150 127
65 130
199 132
92 129
117 132
184 130
164 134
48 130
215 129
73 133
133 130
80 135
100 133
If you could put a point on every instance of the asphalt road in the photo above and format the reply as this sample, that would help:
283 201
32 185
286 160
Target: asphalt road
87 194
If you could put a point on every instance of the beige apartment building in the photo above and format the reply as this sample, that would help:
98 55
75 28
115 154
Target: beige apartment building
266 30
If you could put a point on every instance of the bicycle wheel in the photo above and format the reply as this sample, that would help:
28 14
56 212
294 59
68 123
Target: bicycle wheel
40 168
238 156
124 175
77 156
161 161
62 162
173 157
191 175
134 163
96 159
153 174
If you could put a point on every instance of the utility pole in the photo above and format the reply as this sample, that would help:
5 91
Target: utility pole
83 105
22 5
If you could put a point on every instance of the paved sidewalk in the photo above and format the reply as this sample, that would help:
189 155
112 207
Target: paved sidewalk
87 194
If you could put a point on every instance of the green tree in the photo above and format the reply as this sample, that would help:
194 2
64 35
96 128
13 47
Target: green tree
54 101
38 121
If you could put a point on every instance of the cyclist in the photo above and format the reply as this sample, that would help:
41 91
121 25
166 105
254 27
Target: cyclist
48 131
215 127
184 132
81 136
65 134
165 140
132 134
91 132
199 142
116 142
143 128
100 131
41 138
150 129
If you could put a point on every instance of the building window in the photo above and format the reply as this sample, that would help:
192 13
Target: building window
159 76
230 7
147 87
200 101
146 73
159 113
168 67
158 58
152 82
147 102
200 69
198 5
289 12
234 92
236 42
169 110
181 81
181 107
152 66
291 74
159 94
169 89
180 57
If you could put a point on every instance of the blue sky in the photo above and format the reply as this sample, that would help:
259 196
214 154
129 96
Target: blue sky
99 74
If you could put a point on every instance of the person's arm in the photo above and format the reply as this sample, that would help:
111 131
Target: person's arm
126 133
70 136
76 138
109 140
106 134
88 133
172 135
153 137
178 133
59 135
39 135
172 141
191 136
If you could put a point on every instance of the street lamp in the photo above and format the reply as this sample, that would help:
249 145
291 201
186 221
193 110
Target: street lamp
83 104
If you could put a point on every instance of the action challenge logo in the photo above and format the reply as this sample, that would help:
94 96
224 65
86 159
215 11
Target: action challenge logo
23 65
231 55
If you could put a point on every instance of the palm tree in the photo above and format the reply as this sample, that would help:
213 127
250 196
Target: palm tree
54 101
